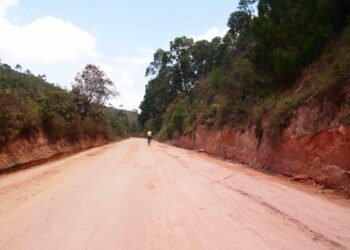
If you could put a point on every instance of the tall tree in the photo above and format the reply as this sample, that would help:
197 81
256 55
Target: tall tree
93 83
182 61
160 61
290 34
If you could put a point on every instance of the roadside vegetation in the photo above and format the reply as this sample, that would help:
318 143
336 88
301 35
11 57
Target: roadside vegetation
276 55
29 105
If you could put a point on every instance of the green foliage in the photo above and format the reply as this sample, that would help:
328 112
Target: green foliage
29 105
243 72
93 83
290 34
176 72
56 113
18 116
239 23
179 118
122 123
212 115
214 78
245 78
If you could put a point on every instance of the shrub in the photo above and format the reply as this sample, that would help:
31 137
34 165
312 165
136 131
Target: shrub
18 116
179 117
28 105
215 78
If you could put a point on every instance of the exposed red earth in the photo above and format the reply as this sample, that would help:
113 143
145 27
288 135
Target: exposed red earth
323 158
314 146
129 195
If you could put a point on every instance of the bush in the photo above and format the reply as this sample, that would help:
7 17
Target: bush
243 72
29 105
179 118
18 116
215 78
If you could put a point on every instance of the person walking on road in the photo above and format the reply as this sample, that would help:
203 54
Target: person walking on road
149 137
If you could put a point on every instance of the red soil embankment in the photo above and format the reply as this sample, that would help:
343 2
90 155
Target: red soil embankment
315 145
324 157
28 151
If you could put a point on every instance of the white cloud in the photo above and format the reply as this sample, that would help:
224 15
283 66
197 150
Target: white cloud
146 51
133 60
212 33
5 4
60 49
124 77
119 74
145 57
128 75
128 100
46 40
129 81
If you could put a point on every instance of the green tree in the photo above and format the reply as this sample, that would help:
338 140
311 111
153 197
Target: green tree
290 34
184 76
94 84
159 64
239 23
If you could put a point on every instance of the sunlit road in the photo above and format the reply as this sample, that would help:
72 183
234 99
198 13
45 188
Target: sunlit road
128 195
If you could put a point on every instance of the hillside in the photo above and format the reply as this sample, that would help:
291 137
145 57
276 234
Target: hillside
273 93
302 132
39 120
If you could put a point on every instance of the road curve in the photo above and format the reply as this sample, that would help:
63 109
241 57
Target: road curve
128 195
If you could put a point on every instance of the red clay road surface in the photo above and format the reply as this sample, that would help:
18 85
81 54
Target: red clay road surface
130 196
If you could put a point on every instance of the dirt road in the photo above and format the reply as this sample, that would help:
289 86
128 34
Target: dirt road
131 196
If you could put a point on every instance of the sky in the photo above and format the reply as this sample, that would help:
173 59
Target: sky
59 37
